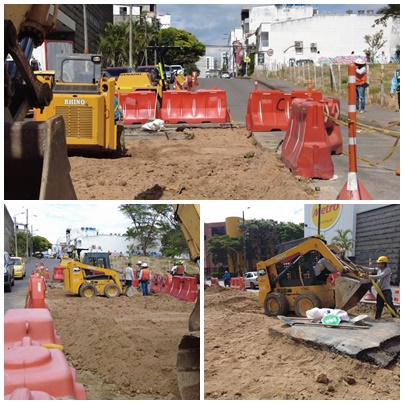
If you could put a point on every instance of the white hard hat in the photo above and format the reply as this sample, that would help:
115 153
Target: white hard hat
139 262
144 265
359 61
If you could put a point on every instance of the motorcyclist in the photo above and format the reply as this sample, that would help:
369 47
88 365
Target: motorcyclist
226 278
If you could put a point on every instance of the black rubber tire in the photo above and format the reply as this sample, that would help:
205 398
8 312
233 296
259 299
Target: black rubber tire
87 290
252 285
276 304
306 301
112 290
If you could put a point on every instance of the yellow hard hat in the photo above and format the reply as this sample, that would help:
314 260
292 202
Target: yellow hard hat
382 259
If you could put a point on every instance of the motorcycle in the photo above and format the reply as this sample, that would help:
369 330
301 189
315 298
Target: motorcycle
227 282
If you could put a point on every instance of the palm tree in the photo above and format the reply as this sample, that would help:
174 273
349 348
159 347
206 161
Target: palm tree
342 241
113 44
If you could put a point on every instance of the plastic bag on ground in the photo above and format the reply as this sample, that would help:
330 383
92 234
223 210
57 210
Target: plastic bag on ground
155 125
317 314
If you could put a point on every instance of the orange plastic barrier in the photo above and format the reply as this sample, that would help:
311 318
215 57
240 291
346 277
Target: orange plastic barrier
167 284
202 106
36 293
184 288
138 106
334 138
269 110
58 273
396 296
34 323
214 281
135 282
305 150
237 283
156 283
23 393
331 279
40 369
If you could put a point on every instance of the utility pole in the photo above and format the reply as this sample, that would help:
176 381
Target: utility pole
85 29
244 247
15 236
319 220
26 229
130 36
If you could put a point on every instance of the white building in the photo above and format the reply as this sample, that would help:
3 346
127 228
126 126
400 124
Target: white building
282 34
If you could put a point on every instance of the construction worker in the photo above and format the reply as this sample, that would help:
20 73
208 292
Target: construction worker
144 278
179 269
322 269
139 268
395 86
383 278
361 84
129 275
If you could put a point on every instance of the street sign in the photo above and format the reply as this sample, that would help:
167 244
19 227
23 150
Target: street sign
270 52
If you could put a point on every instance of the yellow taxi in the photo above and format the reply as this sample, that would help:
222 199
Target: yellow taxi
19 267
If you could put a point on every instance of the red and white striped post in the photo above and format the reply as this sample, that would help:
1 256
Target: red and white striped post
353 189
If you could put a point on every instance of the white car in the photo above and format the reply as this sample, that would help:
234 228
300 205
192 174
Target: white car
250 280
178 69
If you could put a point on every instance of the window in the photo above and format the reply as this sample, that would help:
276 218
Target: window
299 47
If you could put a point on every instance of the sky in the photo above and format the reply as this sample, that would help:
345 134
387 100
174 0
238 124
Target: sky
50 220
209 23
285 211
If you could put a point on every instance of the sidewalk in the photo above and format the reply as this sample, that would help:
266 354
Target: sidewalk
374 116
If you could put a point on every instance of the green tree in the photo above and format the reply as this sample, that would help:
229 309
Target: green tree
389 11
113 44
222 247
173 242
189 51
343 241
150 222
40 243
375 43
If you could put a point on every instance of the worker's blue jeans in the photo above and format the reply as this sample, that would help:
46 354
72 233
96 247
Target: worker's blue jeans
360 93
145 287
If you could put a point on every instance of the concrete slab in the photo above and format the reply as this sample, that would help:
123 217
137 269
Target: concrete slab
379 344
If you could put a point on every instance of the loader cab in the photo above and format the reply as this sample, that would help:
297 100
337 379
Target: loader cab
97 259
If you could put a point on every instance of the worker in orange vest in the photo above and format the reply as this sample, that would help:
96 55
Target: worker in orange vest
178 269
144 278
361 84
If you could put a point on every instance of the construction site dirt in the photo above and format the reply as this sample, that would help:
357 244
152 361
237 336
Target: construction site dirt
215 163
123 348
269 365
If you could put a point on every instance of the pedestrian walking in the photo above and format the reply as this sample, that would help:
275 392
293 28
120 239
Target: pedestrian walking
395 86
361 84
144 279
129 275
383 278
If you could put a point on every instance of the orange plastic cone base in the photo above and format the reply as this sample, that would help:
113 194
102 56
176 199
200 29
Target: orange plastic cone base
398 171
360 194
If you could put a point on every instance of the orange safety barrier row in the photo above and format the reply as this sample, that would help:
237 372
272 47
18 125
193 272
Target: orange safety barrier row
156 283
237 283
34 323
138 106
214 281
58 273
184 288
36 292
269 110
201 106
306 149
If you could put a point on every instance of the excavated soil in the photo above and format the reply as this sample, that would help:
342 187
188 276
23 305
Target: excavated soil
122 348
246 360
205 164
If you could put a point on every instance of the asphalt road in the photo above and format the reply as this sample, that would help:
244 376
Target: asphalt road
377 177
16 298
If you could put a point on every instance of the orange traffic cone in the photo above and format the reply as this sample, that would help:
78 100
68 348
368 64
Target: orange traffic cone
47 273
370 297
398 171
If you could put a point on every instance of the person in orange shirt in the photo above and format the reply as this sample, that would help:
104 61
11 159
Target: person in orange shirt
361 84
144 277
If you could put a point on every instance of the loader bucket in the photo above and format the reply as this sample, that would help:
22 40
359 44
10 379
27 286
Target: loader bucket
36 165
188 362
349 291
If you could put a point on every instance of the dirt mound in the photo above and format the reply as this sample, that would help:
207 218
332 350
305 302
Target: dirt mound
266 365
122 348
214 164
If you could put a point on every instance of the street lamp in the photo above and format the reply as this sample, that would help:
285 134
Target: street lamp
27 250
244 245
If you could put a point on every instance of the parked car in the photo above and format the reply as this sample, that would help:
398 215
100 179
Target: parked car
170 76
225 75
8 272
178 69
116 71
250 280
19 267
